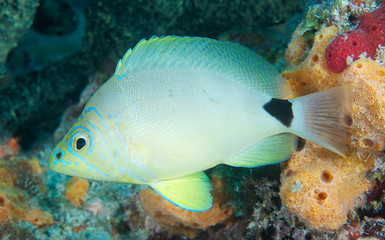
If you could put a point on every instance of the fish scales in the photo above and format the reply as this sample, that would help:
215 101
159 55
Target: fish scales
177 106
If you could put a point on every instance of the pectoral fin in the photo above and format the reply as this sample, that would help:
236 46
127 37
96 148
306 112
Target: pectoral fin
191 192
271 150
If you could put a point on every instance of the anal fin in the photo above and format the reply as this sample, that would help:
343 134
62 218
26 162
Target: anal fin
191 192
271 150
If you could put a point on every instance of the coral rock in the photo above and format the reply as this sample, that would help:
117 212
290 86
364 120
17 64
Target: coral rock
9 207
20 173
15 21
6 178
38 217
369 34
178 220
11 147
76 190
373 228
18 177
320 187
295 51
14 206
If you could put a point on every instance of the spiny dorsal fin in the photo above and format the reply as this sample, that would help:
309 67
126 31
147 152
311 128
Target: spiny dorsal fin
230 59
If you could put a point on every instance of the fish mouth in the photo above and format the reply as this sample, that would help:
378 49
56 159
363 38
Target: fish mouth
53 163
55 160
53 167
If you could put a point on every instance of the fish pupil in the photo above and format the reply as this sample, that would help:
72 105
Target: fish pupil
80 143
58 155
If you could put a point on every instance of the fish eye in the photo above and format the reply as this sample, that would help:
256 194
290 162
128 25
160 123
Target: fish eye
80 141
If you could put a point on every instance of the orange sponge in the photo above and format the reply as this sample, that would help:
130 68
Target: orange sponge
320 186
76 190
15 204
11 147
14 207
38 217
178 220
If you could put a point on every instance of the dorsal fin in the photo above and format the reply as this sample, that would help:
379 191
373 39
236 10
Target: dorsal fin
230 59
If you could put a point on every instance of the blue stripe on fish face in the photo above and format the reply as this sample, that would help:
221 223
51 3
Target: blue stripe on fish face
136 177
141 166
132 175
126 149
83 160
68 157
116 145
57 156
131 156
106 145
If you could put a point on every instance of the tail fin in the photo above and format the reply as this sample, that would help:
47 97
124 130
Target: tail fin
322 117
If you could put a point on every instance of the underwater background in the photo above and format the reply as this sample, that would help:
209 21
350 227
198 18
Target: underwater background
54 54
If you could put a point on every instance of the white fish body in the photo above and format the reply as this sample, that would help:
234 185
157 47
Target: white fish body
178 105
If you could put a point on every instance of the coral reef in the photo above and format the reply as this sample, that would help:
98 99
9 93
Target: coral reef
14 207
101 216
100 208
76 190
16 196
366 131
34 82
9 147
365 39
269 42
178 220
319 186
63 30
343 14
371 228
15 18
268 219
374 228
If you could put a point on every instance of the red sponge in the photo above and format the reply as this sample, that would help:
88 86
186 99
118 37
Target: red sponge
369 34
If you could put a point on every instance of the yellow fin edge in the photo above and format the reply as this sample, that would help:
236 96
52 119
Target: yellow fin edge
191 192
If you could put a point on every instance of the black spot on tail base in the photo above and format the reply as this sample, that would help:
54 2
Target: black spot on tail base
281 110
